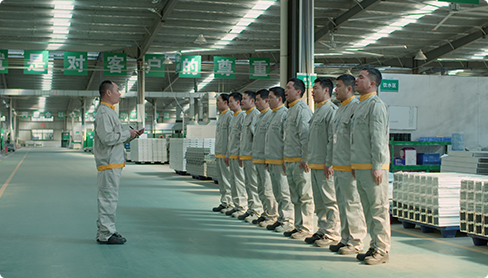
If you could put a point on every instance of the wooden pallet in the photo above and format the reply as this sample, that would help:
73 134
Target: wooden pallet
447 232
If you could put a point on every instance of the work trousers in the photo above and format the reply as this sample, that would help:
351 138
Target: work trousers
281 191
224 183
326 207
238 188
353 225
255 206
374 199
108 197
265 192
301 196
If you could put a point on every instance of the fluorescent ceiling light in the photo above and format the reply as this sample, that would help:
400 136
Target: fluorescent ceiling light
237 30
245 22
63 14
229 37
253 14
263 5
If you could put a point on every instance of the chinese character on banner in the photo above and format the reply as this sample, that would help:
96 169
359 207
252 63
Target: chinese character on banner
154 65
60 115
24 114
36 62
48 115
190 66
75 63
123 115
36 114
115 63
259 68
3 61
133 115
224 67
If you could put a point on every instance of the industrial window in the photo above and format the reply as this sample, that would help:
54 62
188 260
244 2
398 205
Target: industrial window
42 134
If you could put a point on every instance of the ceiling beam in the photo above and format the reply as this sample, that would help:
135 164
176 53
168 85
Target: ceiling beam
336 22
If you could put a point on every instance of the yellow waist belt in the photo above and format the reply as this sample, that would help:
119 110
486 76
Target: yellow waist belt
357 166
341 168
274 161
234 156
220 156
111 166
316 166
258 161
292 159
246 157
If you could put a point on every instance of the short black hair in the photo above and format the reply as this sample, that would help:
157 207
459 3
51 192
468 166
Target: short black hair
325 83
251 94
278 92
263 93
348 80
104 86
225 97
298 85
374 75
237 96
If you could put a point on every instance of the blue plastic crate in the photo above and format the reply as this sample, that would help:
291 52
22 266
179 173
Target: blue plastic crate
428 159
399 161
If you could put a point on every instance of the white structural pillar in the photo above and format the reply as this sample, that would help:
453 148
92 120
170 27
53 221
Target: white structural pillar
283 43
306 43
141 90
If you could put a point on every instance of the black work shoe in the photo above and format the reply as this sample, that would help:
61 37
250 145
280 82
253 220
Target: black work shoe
377 258
114 239
313 238
273 226
219 208
288 234
336 247
260 219
230 212
362 256
242 217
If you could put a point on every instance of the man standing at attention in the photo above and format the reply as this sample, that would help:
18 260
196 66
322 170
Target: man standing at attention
255 207
273 151
221 139
295 157
265 189
239 194
320 163
353 225
108 148
370 163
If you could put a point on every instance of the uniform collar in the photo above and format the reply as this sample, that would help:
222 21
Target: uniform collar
366 96
249 110
277 108
293 103
236 113
322 103
109 105
225 111
346 102
264 110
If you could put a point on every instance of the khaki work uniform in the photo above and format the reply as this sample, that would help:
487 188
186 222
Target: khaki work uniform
247 136
319 156
108 148
295 151
265 189
238 189
221 141
273 150
353 225
369 150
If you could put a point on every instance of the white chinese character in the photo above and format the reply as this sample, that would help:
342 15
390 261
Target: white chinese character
225 67
190 67
385 85
389 85
153 63
393 85
36 62
2 57
260 68
76 63
114 64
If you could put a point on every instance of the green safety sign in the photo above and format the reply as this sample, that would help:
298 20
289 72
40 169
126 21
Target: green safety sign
389 85
3 61
307 78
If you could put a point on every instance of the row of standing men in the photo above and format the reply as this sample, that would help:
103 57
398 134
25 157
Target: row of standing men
278 166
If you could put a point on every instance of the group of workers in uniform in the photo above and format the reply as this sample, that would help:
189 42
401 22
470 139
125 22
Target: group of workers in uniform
278 166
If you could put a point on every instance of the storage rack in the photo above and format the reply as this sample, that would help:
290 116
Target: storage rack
426 168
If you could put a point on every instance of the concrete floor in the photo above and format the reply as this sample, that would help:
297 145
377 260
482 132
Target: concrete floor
48 211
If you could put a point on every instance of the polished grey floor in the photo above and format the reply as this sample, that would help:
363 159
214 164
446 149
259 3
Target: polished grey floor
48 211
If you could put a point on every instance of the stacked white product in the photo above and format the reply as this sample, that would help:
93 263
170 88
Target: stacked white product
200 131
474 206
430 198
212 171
179 146
465 162
160 153
196 161
141 150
